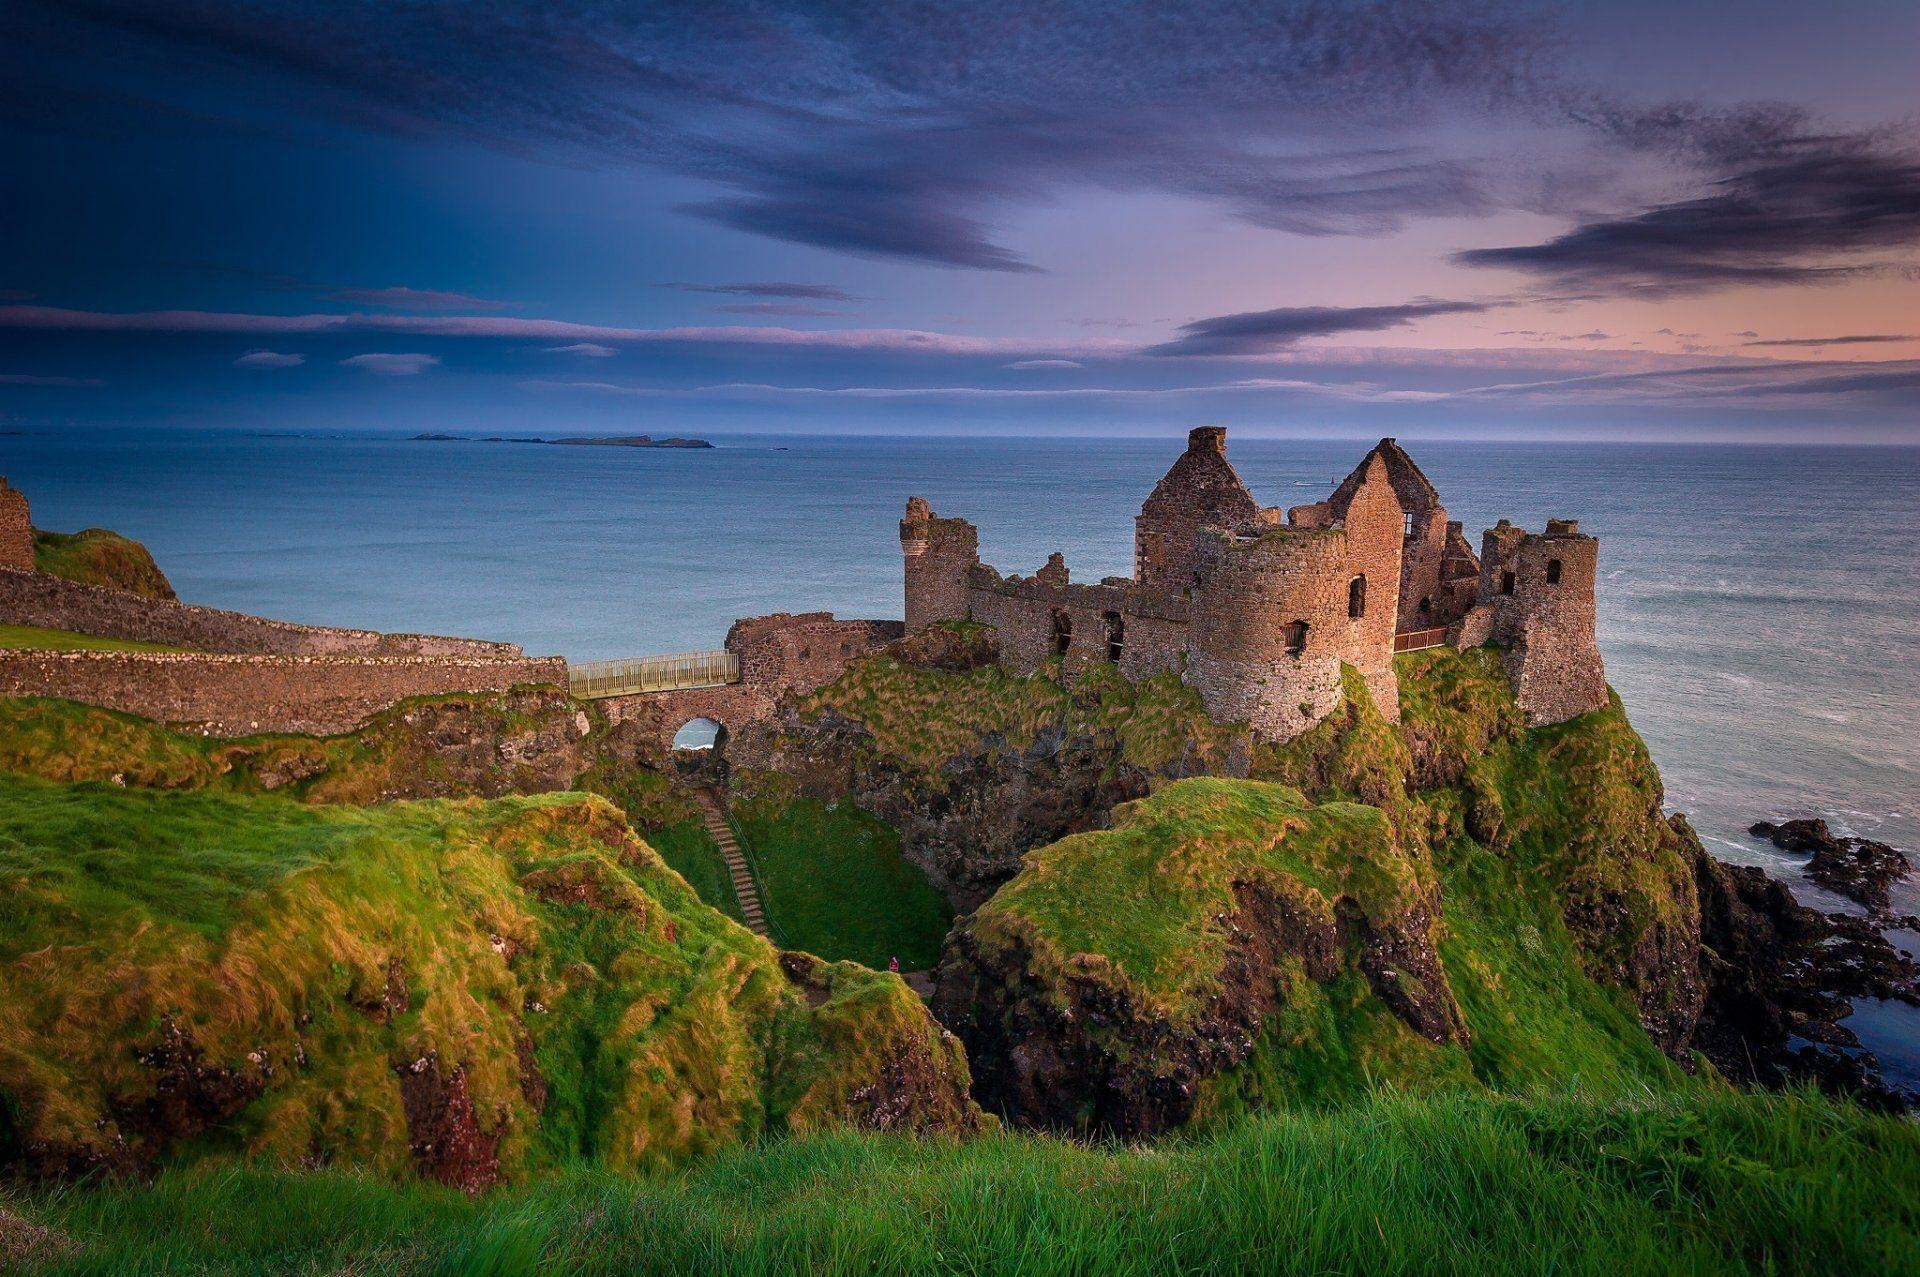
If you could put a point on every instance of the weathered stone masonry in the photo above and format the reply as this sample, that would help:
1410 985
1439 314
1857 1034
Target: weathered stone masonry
1258 608
238 695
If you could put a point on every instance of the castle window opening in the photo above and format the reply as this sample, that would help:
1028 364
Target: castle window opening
1062 632
1357 598
1553 571
700 733
1296 638
1506 583
1116 635
1408 522
1426 604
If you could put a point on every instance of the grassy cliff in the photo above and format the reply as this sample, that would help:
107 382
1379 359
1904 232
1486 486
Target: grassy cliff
96 556
1453 901
468 989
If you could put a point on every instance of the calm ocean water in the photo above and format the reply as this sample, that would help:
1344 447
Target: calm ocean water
1759 607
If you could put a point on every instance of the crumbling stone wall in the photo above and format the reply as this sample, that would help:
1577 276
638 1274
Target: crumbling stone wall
16 529
1545 626
780 655
34 598
239 695
1258 609
1202 493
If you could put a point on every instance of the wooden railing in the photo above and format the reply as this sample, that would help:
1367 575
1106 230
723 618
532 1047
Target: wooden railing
636 674
1415 640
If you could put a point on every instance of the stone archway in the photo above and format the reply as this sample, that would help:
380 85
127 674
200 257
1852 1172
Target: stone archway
701 732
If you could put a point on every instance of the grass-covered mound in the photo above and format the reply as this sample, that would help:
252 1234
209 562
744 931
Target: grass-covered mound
1453 901
832 878
467 989
1122 969
96 556
1403 1187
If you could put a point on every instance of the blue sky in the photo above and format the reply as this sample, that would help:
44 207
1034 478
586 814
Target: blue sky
1677 220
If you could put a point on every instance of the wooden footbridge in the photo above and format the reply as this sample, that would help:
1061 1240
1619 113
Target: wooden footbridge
676 672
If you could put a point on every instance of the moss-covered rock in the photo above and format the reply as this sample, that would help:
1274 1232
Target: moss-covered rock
975 765
464 990
1121 969
96 556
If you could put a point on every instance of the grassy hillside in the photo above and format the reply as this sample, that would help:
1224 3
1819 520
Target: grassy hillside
833 881
99 557
466 990
1403 1186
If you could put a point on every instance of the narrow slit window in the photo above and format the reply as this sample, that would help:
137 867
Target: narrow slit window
1062 632
1506 583
1116 636
1357 598
1296 638
1553 571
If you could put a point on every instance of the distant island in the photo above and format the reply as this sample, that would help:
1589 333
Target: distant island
576 441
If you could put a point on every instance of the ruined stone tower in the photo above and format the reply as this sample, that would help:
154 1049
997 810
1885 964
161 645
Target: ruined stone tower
1259 609
16 529
1200 494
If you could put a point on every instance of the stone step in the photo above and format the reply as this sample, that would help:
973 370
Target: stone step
745 890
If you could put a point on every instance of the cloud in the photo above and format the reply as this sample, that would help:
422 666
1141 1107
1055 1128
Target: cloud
392 365
584 349
1857 339
867 129
790 291
1024 364
268 359
1805 210
773 308
403 298
899 340
31 379
1257 332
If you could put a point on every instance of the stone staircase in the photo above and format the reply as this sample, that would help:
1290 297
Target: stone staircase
743 885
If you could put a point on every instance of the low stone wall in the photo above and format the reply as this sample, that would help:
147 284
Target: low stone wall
237 695
33 598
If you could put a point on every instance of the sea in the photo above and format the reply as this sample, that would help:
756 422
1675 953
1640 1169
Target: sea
1759 606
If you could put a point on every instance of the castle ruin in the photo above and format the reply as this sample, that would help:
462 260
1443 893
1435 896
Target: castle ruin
1259 608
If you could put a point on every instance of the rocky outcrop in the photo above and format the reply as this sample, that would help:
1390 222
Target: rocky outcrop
96 556
1100 989
974 765
1780 978
1860 869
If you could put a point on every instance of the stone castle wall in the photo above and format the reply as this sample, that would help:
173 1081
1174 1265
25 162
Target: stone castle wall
16 529
33 598
238 695
1546 625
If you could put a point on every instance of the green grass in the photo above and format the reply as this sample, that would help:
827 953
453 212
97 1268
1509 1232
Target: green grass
268 932
690 851
833 882
97 556
1703 1184
35 638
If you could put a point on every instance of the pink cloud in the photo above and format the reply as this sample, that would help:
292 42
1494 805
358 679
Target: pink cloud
386 365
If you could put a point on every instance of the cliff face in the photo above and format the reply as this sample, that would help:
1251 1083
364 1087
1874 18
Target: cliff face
975 765
465 991
1453 901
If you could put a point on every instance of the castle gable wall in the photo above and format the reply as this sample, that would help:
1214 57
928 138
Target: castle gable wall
16 529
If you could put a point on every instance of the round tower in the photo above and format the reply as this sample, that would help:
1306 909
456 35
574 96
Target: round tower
1269 627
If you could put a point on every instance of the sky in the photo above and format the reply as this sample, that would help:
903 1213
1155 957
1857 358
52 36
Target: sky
1591 219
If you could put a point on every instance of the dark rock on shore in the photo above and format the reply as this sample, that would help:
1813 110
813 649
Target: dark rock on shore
1780 979
1858 868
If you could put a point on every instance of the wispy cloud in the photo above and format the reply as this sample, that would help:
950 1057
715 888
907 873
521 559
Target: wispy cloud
1856 339
403 298
1257 332
388 365
584 349
791 291
34 379
786 309
269 359
1023 365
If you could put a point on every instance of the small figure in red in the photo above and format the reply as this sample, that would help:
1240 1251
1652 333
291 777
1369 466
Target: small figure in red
893 965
